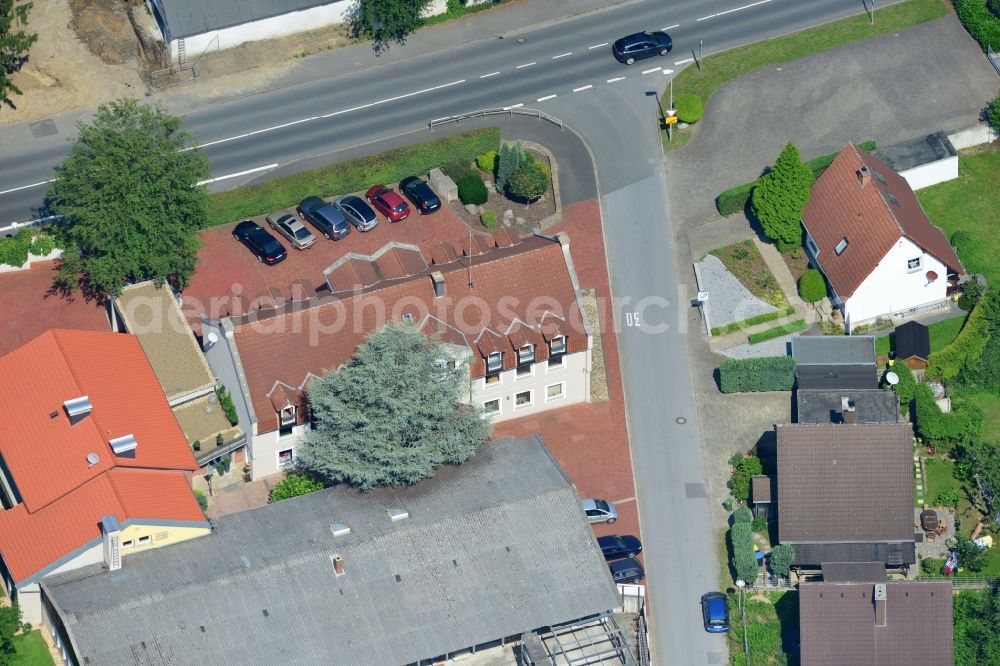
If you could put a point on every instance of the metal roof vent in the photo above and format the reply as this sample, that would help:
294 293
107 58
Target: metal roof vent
340 529
124 445
397 514
78 409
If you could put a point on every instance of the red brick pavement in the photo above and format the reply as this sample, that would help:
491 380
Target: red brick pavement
30 307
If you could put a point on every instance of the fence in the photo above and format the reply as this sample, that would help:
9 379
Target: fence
211 451
973 583
994 57
540 115
641 642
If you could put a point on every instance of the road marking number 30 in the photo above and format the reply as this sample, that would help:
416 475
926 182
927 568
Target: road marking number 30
632 319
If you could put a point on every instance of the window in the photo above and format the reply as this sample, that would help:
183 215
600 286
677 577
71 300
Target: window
286 457
287 423
555 362
526 354
841 246
145 540
494 362
491 379
893 199
553 392
812 247
128 543
525 370
492 406
879 177
913 264
407 318
522 399
557 348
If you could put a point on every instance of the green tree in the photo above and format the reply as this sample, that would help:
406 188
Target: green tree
970 555
295 484
993 113
14 45
812 286
976 616
10 624
385 21
128 194
744 559
948 497
782 557
746 468
529 182
394 414
906 387
509 160
779 197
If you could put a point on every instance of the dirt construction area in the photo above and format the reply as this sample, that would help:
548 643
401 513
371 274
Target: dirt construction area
88 52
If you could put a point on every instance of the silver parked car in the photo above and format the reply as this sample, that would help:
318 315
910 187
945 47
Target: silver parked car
289 226
600 511
357 211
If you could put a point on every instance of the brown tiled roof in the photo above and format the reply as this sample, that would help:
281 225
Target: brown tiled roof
521 287
853 572
871 217
760 489
391 262
837 624
845 483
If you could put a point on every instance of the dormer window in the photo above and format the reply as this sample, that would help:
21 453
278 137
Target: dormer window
494 362
526 354
287 421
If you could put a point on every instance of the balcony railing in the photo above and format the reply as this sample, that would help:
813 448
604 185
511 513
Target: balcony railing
207 454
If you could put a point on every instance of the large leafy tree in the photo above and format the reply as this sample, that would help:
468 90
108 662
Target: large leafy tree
976 618
779 197
10 624
129 197
782 557
393 414
14 44
384 21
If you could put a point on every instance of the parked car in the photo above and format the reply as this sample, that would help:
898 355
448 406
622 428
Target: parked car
388 203
626 571
950 564
715 612
642 45
326 217
357 212
420 194
286 224
616 547
265 246
600 511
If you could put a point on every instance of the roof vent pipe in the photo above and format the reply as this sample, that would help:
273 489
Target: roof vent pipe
864 175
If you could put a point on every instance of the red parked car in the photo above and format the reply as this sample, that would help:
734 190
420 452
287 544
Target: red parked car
388 203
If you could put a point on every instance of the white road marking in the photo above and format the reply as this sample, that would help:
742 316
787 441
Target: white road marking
586 87
650 71
617 78
353 108
671 27
513 106
486 76
684 62
597 46
25 187
542 99
737 9
17 225
237 175
527 64
705 18
562 55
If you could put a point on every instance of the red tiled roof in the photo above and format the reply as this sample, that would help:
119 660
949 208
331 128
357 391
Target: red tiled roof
872 217
524 285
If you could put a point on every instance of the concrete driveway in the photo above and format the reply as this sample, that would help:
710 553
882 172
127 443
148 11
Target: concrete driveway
892 88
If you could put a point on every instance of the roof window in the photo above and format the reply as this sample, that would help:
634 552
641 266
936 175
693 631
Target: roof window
841 246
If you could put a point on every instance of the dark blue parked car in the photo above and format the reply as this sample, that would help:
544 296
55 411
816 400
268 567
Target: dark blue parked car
617 547
626 571
715 612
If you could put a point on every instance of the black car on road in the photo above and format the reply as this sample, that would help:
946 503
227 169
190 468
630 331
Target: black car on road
420 194
626 571
265 246
616 547
642 45
326 217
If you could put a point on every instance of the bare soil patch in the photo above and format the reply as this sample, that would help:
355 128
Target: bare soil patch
797 262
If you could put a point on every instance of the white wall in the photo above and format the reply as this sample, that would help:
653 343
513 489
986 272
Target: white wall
891 288
29 596
931 173
974 136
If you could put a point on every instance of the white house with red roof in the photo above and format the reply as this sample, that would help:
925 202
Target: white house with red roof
866 231
94 466
507 308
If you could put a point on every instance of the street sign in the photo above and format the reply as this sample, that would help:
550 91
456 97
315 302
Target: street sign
671 112
671 120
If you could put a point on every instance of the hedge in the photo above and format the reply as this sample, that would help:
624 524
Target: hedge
979 22
350 176
966 348
743 515
777 331
752 321
689 108
812 286
768 373
744 559
735 199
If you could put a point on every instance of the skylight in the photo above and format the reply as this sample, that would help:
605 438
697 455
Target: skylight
841 246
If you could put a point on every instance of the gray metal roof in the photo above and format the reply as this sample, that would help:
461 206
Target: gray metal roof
493 548
194 17
834 349
826 406
910 154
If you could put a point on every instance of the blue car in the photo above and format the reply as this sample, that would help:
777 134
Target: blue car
715 612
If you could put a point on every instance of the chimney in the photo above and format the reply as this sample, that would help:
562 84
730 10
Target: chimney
438 279
111 535
77 409
864 175
338 565
847 410
879 600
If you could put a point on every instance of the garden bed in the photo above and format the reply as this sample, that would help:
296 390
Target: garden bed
747 265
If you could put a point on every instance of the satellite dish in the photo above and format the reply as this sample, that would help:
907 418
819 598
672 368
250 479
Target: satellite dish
211 339
931 276
892 378
93 459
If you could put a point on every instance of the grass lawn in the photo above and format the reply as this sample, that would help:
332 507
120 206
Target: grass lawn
719 68
941 477
990 404
772 629
31 650
942 333
970 202
745 262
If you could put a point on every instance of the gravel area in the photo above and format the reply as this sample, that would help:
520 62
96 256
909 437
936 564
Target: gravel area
775 347
598 373
728 301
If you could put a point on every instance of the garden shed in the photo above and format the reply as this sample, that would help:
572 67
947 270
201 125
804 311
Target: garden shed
913 345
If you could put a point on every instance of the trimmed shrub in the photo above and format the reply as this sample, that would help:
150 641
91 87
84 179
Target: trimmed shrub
487 162
742 515
968 346
689 108
752 321
979 22
14 250
963 242
768 373
735 199
777 331
759 524
42 245
228 408
528 183
739 483
993 112
199 497
544 168
489 219
782 557
295 484
812 286
744 560
472 190
197 445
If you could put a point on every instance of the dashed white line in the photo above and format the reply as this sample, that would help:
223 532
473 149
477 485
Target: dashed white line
597 46
486 76
237 175
527 64
586 87
684 62
650 71
730 11
671 27
513 106
353 108
542 99
705 18
562 55
617 78
25 187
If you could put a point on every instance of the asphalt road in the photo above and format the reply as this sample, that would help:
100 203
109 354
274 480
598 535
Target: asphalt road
355 97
